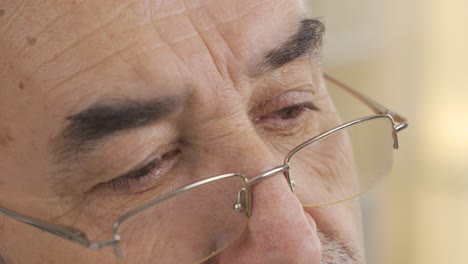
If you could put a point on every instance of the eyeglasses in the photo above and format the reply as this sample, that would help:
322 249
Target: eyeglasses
191 226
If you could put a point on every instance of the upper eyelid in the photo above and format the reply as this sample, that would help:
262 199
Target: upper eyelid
281 101
146 167
143 169
156 164
147 160
308 105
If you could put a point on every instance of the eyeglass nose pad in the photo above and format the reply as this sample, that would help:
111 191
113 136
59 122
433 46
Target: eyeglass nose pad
290 181
292 185
240 204
117 250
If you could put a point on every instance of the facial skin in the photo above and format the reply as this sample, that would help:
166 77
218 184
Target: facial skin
218 100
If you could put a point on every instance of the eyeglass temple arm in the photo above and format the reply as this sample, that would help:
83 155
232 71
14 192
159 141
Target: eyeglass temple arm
372 104
65 232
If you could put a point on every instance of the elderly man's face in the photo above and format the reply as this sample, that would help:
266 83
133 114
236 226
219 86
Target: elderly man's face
105 105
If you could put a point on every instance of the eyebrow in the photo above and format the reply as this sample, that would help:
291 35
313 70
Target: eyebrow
104 119
307 39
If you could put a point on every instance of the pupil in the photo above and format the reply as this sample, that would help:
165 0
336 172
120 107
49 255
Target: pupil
290 112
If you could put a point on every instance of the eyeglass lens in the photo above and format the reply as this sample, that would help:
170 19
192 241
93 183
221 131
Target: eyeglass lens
343 164
188 227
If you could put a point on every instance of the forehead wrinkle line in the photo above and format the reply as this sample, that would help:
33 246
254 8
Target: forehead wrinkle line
100 26
203 38
119 52
42 31
156 30
165 11
47 25
197 4
218 24
120 12
90 67
154 19
175 40
239 15
13 15
71 46
258 4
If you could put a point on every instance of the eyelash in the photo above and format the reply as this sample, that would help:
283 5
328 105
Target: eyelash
294 115
148 176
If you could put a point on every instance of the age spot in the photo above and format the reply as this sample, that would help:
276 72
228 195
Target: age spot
31 40
5 140
2 12
21 85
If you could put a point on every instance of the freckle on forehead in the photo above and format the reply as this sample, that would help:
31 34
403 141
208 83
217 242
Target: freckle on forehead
31 40
2 12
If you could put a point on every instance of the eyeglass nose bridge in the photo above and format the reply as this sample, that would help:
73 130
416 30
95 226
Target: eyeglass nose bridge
246 205
267 174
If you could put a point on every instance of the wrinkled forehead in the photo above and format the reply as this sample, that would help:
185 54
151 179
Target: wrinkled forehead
54 30
112 46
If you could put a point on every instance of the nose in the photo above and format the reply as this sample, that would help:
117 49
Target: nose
279 230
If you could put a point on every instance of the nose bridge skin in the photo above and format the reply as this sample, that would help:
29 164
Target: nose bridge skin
279 230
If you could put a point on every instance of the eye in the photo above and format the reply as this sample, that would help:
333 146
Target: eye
287 115
145 177
294 111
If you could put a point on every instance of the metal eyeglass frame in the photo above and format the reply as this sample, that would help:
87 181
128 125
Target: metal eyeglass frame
77 236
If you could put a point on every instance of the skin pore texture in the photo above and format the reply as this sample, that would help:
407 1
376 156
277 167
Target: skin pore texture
92 91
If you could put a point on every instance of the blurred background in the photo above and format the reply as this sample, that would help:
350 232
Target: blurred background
413 57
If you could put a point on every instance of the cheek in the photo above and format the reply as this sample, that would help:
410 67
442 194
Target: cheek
323 171
331 161
335 157
24 244
186 227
